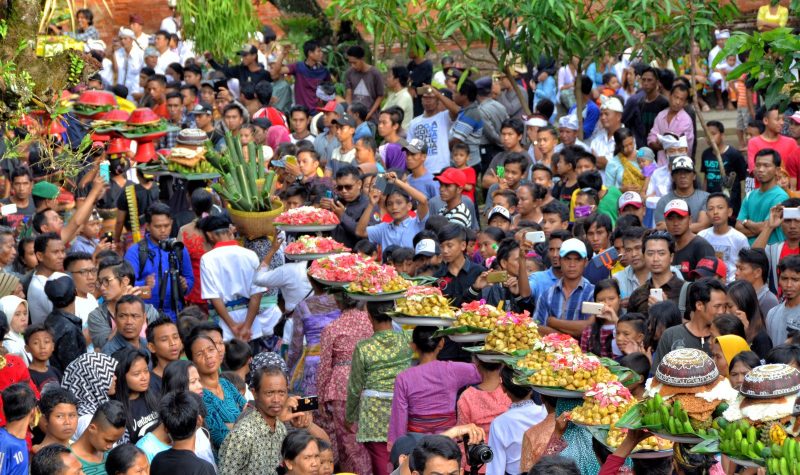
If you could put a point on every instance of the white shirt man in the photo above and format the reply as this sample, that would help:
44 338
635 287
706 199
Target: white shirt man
433 130
130 60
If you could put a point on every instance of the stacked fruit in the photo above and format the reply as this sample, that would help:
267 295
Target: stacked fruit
740 440
616 436
478 314
307 216
426 302
315 245
784 459
379 279
603 404
547 349
201 167
342 267
572 371
671 416
513 331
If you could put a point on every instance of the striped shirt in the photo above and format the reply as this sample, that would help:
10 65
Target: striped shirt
468 128
459 215
553 303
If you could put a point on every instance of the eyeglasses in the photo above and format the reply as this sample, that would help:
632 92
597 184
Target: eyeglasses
107 281
86 272
344 187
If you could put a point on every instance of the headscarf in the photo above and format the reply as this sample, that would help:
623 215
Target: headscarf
9 304
89 377
264 359
393 156
8 283
276 135
14 342
732 345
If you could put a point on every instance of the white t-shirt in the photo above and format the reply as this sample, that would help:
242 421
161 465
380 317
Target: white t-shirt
84 306
39 305
226 272
726 247
165 59
291 279
434 131
660 182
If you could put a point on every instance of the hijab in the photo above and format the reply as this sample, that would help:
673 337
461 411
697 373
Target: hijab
89 377
276 135
732 345
8 305
14 342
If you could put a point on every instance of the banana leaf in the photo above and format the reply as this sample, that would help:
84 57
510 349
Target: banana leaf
632 419
260 164
708 446
459 330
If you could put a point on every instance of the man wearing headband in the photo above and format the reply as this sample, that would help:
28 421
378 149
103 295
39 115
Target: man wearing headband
129 61
568 134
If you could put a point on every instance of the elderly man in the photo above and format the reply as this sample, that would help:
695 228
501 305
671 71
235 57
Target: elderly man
568 133
129 60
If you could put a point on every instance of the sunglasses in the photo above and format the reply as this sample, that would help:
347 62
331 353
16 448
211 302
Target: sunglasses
344 187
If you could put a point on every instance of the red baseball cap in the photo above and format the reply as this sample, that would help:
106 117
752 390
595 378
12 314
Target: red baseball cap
329 106
452 176
710 267
678 207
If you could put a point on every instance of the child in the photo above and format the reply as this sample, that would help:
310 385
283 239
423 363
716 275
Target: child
402 258
586 203
610 85
514 169
488 241
59 409
566 170
725 240
420 178
366 249
19 404
293 196
308 162
325 457
398 204
451 183
506 199
238 356
345 154
500 217
39 342
459 153
16 314
105 430
640 364
89 235
630 333
165 346
745 111
179 412
547 141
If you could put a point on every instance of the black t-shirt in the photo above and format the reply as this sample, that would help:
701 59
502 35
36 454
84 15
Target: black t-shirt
42 378
143 419
185 462
734 162
563 193
144 198
688 257
649 111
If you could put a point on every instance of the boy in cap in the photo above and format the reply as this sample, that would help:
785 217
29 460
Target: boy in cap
631 202
500 217
345 153
683 179
451 183
419 176
427 252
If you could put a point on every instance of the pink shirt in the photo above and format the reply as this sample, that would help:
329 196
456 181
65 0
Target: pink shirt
681 125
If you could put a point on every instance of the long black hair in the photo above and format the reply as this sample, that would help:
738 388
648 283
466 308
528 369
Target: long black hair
126 358
176 376
595 344
745 297
663 315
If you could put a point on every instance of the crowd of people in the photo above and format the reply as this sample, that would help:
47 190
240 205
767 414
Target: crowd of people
197 351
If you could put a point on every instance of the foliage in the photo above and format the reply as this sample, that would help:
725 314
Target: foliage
220 27
299 28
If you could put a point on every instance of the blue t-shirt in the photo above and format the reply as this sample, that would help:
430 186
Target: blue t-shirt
426 184
756 208
13 454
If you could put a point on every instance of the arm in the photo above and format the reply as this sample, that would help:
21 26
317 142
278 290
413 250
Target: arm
398 421
448 104
265 277
277 68
774 222
355 385
571 327
366 216
498 464
422 200
703 222
84 210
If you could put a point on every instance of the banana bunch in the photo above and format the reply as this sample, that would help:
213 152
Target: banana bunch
784 459
202 167
740 439
671 417
777 434
616 436
76 66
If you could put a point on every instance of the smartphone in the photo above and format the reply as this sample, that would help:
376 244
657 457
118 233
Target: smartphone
422 90
791 213
500 171
329 194
146 293
306 404
105 172
592 308
381 184
497 277
657 294
535 237
108 237
291 160
8 210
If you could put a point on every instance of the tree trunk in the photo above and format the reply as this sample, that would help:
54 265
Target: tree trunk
517 91
579 98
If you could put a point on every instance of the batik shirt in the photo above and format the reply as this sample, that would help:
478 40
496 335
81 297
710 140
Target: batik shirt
338 343
376 363
252 446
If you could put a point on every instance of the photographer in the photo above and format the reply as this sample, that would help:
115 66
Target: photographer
349 204
429 451
150 259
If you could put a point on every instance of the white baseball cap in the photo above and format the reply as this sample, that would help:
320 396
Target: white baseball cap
427 247
612 104
499 210
573 245
679 207
630 198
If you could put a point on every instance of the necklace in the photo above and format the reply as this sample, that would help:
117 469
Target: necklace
526 402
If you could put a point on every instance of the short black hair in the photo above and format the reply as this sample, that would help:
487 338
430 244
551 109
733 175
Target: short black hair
756 258
42 240
591 179
514 124
268 370
76 256
36 328
784 354
299 108
157 209
776 157
309 46
365 246
121 458
263 92
452 231
348 170
717 125
359 110
700 291
557 207
237 354
659 236
159 78
49 460
178 412
193 68
131 299
151 327
110 413
174 95
53 397
401 74
791 263
555 465
356 51
729 324
516 158
469 89
18 401
433 446
719 194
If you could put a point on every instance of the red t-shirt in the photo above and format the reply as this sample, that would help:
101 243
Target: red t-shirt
472 179
785 146
272 114
161 110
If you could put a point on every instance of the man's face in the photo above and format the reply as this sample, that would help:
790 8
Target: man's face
765 169
356 63
162 42
677 225
156 90
166 343
192 78
572 266
718 211
175 108
657 256
272 394
773 121
316 55
714 136
385 126
632 209
553 251
8 251
429 103
364 154
683 179
63 421
293 202
509 138
52 258
790 284
207 94
546 142
513 174
791 229
110 285
609 119
677 100
150 62
437 465
103 437
717 305
72 466
129 320
542 178
307 163
299 121
345 133
748 272
414 160
584 165
249 59
632 248
53 223
202 120
187 98
567 136
348 188
448 191
552 222
397 207
597 237
84 274
233 119
22 187
452 250
160 227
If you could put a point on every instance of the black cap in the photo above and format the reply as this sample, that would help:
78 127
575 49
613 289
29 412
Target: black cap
345 119
202 108
484 86
212 223
262 122
250 49
60 290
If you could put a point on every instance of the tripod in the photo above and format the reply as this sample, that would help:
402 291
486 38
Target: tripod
172 276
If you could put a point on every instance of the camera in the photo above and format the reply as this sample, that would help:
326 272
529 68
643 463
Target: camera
477 454
170 245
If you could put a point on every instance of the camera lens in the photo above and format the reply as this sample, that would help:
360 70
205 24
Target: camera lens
479 454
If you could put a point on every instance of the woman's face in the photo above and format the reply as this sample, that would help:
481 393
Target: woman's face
19 322
628 146
83 22
736 374
138 376
306 462
609 297
487 245
205 356
195 385
140 466
525 197
719 358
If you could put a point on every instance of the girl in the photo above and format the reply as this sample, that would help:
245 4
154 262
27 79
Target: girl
727 324
222 400
16 311
724 348
325 457
515 291
300 454
134 392
631 330
743 302
91 379
661 316
488 241
598 337
195 242
740 365
127 459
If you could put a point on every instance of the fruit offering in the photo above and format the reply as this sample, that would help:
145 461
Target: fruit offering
672 417
513 331
315 245
783 459
616 436
478 314
425 301
377 280
343 267
603 404
307 216
547 349
740 440
572 371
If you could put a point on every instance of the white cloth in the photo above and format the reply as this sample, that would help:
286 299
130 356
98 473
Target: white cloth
226 272
506 433
142 42
434 131
202 446
403 100
169 25
107 73
660 182
39 305
439 78
291 279
603 144
85 306
14 342
726 247
165 59
129 65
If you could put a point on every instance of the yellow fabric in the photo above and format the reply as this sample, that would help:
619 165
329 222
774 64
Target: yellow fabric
731 346
780 18
125 104
574 200
631 174
313 350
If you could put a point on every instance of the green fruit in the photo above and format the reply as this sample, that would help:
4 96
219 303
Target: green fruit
737 437
658 400
687 428
751 435
721 422
777 451
784 466
671 427
744 447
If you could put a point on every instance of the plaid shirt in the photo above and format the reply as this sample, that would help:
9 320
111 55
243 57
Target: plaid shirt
551 303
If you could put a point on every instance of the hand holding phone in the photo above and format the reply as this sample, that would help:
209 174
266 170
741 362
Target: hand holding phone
535 237
592 308
497 277
307 404
657 294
